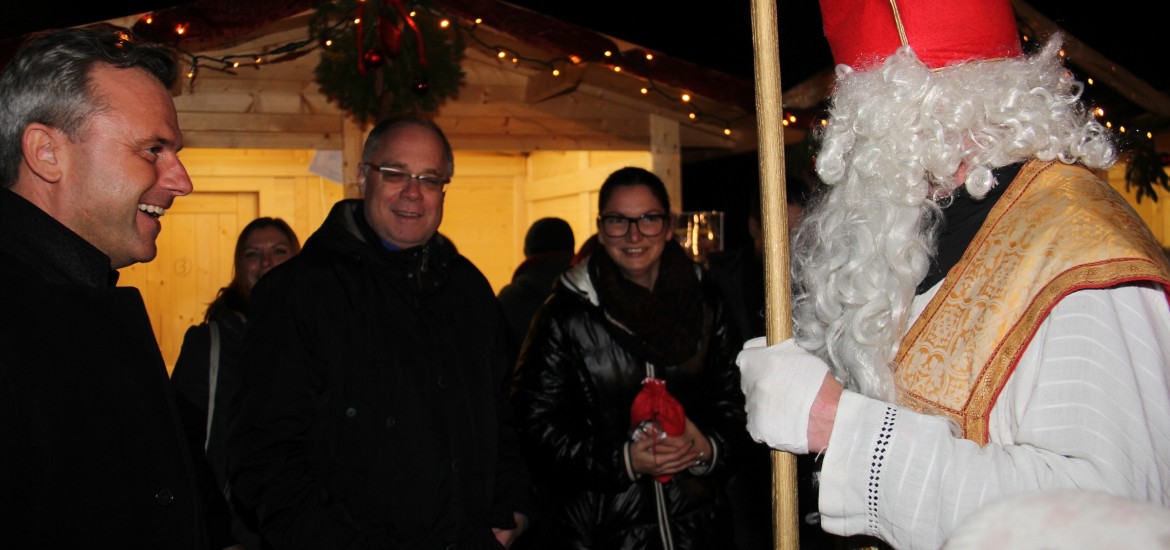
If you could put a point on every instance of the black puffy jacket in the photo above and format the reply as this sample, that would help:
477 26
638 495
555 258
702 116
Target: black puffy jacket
574 387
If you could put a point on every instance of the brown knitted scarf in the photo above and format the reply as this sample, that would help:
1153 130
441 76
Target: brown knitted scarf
663 325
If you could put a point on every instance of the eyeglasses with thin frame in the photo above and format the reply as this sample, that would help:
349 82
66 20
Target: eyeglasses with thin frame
617 225
393 177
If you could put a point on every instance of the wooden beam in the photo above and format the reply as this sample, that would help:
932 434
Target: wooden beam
260 122
665 157
493 142
260 140
809 93
545 85
353 140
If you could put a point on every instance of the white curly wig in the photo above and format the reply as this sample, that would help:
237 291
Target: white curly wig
896 137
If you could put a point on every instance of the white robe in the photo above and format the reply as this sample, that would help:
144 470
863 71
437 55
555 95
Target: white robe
1088 407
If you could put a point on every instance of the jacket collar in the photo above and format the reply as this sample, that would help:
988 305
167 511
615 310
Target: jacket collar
57 254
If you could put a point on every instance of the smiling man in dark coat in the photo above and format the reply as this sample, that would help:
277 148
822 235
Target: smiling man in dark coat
372 410
92 450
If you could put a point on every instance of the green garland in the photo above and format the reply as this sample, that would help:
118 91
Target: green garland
381 83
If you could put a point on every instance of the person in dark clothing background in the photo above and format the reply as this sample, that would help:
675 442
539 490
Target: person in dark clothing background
93 450
739 275
372 409
211 349
548 249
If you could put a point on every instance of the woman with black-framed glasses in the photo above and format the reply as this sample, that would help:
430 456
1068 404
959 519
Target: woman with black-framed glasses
633 307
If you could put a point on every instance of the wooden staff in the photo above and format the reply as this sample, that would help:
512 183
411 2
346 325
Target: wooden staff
774 216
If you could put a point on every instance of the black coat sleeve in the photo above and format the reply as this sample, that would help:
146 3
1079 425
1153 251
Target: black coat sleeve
189 380
560 413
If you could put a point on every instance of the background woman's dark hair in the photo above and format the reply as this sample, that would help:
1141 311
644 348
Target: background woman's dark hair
235 297
629 177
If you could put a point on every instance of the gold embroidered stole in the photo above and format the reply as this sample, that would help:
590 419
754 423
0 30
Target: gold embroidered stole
1057 229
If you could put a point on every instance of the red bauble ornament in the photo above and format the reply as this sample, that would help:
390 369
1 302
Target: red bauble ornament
421 87
372 59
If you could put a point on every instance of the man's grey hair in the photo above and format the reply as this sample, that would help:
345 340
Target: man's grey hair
388 126
48 82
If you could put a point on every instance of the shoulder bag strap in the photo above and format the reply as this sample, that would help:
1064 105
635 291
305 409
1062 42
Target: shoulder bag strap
212 377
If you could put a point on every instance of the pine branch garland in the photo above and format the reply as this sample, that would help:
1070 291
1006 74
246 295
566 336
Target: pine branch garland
387 75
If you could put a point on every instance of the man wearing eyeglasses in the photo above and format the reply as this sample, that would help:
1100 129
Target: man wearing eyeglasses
372 410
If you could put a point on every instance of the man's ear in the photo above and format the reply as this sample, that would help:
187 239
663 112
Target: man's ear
42 149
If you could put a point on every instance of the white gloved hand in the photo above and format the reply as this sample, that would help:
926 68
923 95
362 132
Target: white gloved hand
780 382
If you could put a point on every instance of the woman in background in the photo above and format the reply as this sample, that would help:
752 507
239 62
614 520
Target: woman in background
209 349
633 307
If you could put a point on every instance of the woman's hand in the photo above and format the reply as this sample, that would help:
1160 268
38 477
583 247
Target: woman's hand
655 455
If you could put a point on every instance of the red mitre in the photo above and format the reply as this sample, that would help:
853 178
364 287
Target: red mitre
863 33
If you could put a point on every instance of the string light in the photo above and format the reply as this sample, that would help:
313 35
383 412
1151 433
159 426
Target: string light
502 53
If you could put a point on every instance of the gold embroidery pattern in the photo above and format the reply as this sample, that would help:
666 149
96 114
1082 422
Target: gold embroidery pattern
1056 229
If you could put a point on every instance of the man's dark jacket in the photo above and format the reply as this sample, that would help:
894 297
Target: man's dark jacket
372 410
92 450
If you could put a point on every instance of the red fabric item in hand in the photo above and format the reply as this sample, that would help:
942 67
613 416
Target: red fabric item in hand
656 405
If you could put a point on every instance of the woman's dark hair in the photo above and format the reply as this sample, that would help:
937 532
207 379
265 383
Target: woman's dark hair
629 177
235 297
